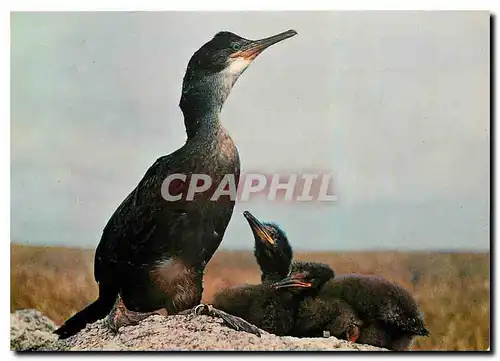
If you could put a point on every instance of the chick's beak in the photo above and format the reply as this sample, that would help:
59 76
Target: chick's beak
293 281
258 228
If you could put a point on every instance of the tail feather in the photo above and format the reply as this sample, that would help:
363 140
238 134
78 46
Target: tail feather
93 312
421 331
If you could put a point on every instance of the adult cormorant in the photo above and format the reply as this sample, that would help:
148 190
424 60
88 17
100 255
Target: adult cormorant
153 252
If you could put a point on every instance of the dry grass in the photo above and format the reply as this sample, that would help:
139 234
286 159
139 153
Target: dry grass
452 289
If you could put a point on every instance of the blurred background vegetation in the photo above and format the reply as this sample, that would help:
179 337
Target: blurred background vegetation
452 289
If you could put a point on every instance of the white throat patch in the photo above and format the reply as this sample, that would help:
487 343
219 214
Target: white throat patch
238 65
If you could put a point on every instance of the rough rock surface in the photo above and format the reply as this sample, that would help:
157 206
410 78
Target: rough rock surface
30 331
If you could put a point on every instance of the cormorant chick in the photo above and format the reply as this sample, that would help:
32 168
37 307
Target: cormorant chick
271 249
363 309
274 255
154 249
263 305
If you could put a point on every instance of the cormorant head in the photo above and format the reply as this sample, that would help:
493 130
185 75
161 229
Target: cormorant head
272 249
216 66
306 275
231 53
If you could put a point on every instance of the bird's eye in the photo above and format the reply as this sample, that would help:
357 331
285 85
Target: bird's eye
236 46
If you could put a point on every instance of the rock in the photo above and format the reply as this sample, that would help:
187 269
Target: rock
30 330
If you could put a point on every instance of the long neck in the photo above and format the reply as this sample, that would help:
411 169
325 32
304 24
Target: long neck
272 268
271 276
202 100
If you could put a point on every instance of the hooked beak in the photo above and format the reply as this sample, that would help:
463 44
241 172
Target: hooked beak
258 228
293 281
250 51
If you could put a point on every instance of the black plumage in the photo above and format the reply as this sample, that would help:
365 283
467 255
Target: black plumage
271 249
153 252
359 308
263 305
363 309
260 305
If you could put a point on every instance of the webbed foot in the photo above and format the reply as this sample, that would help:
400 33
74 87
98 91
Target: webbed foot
121 316
234 322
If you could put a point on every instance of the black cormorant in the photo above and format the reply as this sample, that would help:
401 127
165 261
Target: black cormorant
153 252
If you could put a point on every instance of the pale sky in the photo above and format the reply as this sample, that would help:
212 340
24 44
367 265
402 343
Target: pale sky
394 104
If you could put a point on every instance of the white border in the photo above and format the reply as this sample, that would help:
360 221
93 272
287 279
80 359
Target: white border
218 5
151 5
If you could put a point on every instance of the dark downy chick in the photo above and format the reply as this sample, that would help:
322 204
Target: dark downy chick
271 249
263 305
389 311
363 309
316 314
260 305
274 255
